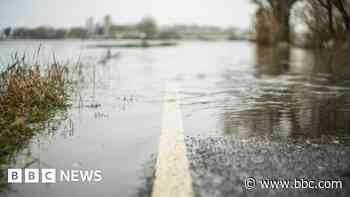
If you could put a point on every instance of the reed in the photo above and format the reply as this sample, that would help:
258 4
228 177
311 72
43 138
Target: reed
28 94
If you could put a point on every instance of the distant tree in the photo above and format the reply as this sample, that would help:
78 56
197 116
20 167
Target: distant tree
35 33
148 26
20 32
60 33
77 32
168 34
7 31
42 33
281 10
99 29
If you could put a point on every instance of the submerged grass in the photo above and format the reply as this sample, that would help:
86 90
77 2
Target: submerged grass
29 93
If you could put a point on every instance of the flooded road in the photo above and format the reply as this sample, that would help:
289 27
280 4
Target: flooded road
226 89
265 91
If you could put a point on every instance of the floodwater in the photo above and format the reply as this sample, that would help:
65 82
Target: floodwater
226 89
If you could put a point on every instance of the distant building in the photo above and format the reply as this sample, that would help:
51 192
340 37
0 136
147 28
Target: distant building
107 24
90 26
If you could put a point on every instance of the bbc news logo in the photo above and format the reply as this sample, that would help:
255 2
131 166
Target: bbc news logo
52 176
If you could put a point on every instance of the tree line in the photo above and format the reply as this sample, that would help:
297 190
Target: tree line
147 25
44 32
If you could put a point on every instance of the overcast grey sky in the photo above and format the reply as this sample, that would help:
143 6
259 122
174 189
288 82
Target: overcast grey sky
65 13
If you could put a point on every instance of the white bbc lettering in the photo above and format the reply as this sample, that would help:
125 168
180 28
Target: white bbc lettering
31 175
48 175
74 175
52 176
86 176
80 175
14 175
65 175
98 175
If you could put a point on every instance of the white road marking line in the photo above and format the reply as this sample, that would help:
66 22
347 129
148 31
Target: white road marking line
173 177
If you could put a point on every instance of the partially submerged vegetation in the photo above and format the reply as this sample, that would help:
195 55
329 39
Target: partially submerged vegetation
28 94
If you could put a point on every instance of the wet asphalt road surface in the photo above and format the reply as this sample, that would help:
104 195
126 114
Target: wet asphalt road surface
220 165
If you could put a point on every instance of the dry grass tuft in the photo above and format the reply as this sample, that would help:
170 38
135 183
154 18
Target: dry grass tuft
28 94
